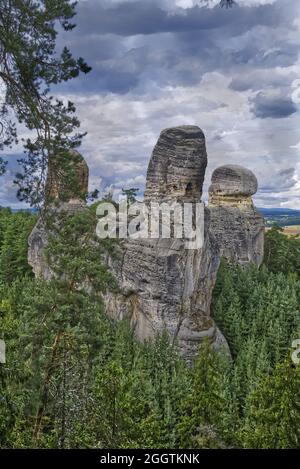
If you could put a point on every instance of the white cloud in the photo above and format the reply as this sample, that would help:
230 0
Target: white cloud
122 131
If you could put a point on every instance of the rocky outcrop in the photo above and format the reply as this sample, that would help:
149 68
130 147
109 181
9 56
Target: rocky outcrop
66 190
235 223
164 286
177 167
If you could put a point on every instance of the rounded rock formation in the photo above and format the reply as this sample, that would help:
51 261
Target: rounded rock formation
233 180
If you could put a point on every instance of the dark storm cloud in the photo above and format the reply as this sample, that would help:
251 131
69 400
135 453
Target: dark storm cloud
175 48
140 17
252 79
259 55
275 107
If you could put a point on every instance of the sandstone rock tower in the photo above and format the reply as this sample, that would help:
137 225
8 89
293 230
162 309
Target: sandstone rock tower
65 190
165 286
236 224
177 167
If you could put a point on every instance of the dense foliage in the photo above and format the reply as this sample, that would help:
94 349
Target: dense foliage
282 253
73 378
14 232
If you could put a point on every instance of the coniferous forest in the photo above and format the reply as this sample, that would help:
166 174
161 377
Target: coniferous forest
75 379
71 377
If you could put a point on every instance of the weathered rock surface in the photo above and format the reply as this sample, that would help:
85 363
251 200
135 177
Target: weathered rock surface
235 223
177 167
66 192
165 286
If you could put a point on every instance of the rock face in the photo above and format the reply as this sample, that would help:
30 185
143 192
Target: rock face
177 166
66 193
37 241
236 224
165 286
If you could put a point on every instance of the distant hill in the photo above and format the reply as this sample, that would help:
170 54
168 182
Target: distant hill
281 216
31 210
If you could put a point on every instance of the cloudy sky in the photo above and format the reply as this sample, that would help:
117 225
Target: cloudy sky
162 63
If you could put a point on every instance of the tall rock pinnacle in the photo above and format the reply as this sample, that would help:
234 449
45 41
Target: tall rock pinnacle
177 167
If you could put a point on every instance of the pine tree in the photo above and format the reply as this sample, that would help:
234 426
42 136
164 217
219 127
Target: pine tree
13 248
203 407
273 410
